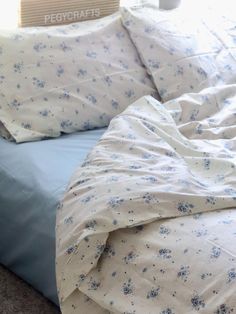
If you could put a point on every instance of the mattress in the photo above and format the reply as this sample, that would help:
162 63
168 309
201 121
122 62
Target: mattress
33 178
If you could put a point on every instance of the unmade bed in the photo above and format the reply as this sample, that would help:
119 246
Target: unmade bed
139 198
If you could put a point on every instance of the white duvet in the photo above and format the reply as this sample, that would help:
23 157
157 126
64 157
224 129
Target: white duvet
148 224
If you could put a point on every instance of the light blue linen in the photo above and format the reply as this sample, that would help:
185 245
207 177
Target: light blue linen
33 178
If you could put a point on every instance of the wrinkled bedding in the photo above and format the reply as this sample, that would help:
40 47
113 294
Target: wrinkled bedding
148 224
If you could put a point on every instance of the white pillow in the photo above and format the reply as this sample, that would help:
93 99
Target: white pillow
183 52
67 78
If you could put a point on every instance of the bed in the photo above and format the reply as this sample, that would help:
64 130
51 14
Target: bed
142 189
33 178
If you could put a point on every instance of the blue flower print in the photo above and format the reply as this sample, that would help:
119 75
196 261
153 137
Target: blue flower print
91 54
92 99
130 93
65 94
115 201
91 224
128 287
18 67
167 311
93 284
231 275
66 124
82 73
108 80
39 46
26 125
114 104
130 258
60 71
15 104
197 302
154 64
183 273
224 309
120 35
153 293
38 83
64 47
185 207
165 253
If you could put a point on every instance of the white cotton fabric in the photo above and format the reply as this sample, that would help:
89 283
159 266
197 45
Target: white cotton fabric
148 222
183 52
63 79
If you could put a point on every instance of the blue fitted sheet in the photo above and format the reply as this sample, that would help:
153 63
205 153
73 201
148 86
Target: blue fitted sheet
33 177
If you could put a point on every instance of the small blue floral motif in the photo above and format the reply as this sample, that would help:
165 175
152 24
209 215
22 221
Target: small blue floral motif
211 200
91 54
153 293
128 287
154 64
18 67
164 230
202 72
200 233
194 115
129 93
109 251
120 35
215 252
224 309
44 113
72 249
130 258
180 70
189 51
206 163
60 71
2 77
114 104
66 124
165 253
115 201
231 275
92 99
149 29
26 125
15 104
39 46
150 179
197 302
69 220
64 47
183 273
167 311
82 73
93 284
149 126
38 83
185 207
91 224
65 94
108 80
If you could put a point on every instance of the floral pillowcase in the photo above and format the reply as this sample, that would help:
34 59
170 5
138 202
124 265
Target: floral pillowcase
69 78
183 52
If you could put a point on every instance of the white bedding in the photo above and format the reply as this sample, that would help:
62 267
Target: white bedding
148 222
67 78
184 52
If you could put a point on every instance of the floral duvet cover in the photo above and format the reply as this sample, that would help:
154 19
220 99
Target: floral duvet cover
148 224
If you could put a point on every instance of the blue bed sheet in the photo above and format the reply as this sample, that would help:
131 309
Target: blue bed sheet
33 178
